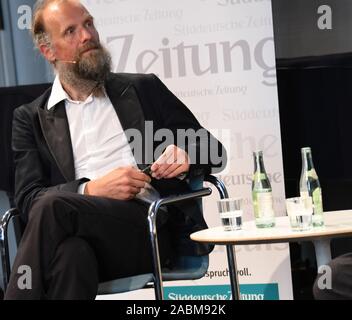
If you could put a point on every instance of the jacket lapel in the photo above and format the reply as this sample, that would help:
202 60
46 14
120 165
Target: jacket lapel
128 108
57 135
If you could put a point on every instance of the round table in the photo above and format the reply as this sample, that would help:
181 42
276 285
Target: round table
337 224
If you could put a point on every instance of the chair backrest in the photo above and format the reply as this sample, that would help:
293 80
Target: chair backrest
10 99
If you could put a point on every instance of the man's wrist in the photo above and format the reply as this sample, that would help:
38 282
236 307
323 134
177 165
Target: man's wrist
91 188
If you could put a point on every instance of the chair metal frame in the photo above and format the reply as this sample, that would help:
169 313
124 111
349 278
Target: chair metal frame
157 276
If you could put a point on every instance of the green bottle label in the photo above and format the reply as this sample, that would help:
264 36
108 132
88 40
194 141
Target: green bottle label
317 201
263 204
257 176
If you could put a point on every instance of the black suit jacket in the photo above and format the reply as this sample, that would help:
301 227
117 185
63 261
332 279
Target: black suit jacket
44 158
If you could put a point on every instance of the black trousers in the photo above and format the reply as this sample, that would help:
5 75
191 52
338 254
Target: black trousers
72 242
340 270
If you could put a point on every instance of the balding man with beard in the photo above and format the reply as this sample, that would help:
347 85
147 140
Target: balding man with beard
79 183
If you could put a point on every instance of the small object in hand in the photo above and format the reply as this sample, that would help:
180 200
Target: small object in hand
147 170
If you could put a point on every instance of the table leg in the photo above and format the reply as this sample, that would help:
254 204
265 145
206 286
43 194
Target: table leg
231 259
322 251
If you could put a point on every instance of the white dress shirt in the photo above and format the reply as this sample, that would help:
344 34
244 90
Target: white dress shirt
98 140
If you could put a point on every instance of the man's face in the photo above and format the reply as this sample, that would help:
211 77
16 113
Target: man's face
73 37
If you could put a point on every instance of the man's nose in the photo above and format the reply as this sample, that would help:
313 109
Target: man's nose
86 35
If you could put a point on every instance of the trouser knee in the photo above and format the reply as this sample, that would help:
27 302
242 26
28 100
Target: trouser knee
51 210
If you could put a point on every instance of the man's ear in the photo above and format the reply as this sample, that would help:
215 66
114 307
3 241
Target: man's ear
48 52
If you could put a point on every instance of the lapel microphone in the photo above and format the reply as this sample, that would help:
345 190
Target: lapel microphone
67 61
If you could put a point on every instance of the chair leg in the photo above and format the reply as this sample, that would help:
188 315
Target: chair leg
4 246
158 283
4 260
152 213
158 287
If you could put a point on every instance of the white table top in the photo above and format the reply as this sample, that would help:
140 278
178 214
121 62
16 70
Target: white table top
337 224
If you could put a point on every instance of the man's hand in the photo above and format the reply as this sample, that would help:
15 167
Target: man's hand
171 163
122 184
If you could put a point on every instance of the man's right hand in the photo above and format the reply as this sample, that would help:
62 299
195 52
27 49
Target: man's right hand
121 183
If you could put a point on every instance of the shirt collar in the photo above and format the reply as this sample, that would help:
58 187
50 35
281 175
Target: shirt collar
58 94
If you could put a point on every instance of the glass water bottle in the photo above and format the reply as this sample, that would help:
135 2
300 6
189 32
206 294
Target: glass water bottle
309 186
262 194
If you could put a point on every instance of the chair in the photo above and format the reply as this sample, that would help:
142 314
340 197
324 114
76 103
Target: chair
186 267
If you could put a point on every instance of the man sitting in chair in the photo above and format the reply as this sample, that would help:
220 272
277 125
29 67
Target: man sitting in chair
80 184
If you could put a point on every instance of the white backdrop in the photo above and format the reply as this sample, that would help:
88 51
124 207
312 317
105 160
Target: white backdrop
218 57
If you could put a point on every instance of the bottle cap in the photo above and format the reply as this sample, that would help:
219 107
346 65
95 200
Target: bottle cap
305 149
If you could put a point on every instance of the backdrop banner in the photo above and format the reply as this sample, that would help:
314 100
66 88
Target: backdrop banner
217 56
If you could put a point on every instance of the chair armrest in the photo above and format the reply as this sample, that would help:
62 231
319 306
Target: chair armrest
218 184
5 219
154 207
4 245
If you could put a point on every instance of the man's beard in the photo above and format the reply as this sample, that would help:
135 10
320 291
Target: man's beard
87 70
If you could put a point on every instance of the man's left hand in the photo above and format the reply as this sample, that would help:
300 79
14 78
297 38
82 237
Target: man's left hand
173 162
